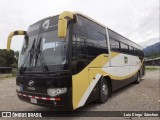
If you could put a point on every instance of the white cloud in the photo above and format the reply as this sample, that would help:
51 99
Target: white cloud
136 19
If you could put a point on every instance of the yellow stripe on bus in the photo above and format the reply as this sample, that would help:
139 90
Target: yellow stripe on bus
81 81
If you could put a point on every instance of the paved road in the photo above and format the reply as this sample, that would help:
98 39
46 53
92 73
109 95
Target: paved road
135 97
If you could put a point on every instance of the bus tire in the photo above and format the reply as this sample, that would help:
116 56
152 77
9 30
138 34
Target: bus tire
138 79
104 91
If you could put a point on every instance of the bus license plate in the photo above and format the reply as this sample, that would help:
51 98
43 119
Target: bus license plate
33 100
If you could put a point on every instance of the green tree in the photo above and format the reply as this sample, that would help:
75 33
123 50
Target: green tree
2 61
7 57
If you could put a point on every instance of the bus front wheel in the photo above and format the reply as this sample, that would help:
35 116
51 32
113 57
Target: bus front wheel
104 91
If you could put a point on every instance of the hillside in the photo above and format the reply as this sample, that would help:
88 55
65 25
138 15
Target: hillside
149 42
152 50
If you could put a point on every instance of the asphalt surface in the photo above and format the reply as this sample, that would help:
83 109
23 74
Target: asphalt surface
134 97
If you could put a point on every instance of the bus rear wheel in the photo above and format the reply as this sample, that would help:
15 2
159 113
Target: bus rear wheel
138 79
104 91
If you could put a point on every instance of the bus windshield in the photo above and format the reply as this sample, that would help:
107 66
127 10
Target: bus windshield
52 48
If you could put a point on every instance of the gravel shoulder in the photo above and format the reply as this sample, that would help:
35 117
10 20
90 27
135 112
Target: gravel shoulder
134 97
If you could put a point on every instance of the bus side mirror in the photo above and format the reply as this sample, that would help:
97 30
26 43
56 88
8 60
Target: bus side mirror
62 28
62 23
19 32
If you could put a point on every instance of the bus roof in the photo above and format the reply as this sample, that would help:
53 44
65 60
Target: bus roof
78 13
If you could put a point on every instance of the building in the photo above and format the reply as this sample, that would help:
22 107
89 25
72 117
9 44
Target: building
152 62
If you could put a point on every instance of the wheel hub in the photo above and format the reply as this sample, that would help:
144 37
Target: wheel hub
104 90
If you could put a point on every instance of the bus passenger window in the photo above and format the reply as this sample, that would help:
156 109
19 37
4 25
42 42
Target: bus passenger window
135 52
78 47
131 50
96 39
124 48
114 45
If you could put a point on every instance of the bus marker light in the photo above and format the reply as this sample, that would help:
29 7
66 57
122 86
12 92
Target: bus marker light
57 99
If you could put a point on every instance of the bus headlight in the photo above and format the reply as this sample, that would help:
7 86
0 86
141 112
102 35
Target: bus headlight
56 91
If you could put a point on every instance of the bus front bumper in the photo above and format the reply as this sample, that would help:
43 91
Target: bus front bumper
38 93
61 102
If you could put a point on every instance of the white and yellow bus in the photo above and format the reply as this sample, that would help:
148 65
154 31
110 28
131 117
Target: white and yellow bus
70 60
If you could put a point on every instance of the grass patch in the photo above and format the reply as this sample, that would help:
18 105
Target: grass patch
151 68
3 78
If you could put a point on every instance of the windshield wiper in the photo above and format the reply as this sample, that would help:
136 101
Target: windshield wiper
31 52
40 55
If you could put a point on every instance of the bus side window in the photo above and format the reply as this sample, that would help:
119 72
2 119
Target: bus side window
78 47
139 53
79 53
135 52
131 50
96 39
114 45
124 48
79 39
142 53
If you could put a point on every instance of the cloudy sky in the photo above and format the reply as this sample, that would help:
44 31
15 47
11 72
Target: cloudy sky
137 20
